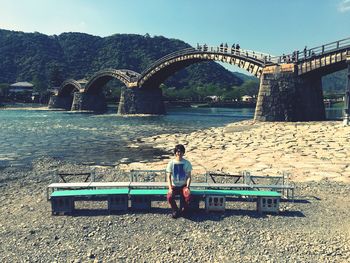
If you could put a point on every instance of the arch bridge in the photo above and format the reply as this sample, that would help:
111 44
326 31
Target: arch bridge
290 85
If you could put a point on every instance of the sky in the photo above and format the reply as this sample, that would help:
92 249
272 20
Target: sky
270 26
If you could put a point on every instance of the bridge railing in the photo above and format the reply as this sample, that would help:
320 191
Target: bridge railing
169 56
258 56
261 57
128 75
316 51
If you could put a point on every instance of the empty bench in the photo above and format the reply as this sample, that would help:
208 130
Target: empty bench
62 201
215 199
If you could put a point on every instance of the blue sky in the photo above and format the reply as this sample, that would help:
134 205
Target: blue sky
270 26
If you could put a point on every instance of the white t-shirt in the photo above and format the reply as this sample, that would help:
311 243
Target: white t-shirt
179 171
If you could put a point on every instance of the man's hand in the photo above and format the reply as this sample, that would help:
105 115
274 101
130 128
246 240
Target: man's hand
170 191
187 190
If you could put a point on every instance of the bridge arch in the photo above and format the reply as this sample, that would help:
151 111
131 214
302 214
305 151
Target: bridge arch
68 87
99 79
160 70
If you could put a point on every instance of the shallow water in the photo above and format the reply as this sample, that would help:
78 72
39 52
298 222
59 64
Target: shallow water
26 134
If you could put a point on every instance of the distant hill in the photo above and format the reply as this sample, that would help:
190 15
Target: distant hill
245 77
48 60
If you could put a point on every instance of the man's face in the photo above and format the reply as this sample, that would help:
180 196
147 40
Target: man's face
179 154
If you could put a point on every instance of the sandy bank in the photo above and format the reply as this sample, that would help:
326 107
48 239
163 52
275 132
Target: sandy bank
307 150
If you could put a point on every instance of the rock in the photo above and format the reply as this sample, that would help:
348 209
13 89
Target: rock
90 254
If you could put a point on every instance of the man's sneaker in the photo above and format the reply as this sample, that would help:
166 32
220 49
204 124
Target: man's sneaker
175 214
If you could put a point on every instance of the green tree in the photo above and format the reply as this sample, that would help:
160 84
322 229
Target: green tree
4 88
55 76
39 84
250 87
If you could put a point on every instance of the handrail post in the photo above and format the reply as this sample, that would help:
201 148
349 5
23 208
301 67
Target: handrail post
346 120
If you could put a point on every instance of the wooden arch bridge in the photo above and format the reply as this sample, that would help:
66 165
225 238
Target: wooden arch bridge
290 85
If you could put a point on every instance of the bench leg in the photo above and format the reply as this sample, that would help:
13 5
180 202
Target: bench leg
118 203
215 203
62 205
268 204
141 202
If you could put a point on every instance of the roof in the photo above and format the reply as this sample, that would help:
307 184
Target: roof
82 81
22 84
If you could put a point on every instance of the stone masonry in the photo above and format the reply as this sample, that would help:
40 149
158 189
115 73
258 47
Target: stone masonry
285 96
141 101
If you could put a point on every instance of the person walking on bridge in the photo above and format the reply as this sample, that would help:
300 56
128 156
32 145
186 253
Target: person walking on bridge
237 48
179 179
233 49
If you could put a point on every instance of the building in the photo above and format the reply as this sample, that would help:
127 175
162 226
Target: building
212 98
21 92
21 87
247 98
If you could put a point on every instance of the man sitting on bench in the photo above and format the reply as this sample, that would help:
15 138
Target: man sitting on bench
179 180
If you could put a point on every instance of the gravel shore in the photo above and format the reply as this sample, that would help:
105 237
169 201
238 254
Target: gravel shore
315 228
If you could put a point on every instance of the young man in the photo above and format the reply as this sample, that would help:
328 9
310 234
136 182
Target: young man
179 180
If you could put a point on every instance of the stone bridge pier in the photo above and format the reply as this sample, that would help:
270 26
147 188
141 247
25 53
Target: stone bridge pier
286 96
141 101
60 102
89 102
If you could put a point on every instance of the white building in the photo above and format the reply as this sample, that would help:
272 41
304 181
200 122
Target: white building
247 98
21 87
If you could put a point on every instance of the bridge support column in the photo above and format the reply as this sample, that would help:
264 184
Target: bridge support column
89 102
346 120
57 102
285 96
141 101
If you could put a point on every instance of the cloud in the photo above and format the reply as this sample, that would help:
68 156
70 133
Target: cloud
344 6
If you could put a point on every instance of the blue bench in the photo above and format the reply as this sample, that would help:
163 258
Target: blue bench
62 201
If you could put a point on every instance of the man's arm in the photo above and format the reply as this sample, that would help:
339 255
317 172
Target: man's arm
188 181
169 182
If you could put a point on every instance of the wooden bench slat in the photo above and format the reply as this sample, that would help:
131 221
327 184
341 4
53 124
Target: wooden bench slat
69 185
284 186
148 184
90 192
148 191
110 184
235 192
232 185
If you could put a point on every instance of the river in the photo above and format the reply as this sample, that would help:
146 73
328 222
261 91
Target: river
27 134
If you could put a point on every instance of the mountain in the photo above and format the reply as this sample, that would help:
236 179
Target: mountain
245 77
49 60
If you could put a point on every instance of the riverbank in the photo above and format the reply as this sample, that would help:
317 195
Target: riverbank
306 150
316 228
208 104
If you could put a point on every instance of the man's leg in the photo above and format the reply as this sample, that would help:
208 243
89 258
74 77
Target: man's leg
171 198
187 198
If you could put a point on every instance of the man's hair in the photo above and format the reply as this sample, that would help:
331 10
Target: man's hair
179 147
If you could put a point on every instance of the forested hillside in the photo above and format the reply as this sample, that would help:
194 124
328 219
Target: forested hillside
48 60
